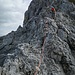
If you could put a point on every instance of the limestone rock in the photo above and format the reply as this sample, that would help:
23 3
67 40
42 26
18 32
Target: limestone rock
72 14
21 50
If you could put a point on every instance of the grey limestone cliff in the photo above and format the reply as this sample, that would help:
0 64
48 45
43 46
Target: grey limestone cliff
20 50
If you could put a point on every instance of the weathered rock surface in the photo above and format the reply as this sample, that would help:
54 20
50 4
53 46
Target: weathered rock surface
20 50
73 14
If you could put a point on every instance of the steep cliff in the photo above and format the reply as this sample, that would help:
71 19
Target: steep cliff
20 51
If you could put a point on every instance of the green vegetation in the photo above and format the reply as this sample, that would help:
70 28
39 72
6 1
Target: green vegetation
72 1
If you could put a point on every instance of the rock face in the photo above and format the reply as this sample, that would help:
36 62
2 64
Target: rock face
20 51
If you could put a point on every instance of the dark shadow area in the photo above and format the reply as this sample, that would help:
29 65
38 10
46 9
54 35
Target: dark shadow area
72 1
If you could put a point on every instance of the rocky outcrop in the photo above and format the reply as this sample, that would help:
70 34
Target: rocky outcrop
72 14
20 50
22 61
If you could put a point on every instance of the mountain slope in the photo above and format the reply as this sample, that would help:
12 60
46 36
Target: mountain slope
20 51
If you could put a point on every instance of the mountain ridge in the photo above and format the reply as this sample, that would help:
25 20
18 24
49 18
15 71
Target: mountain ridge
20 50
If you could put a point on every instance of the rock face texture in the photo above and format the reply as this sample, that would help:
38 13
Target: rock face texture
20 50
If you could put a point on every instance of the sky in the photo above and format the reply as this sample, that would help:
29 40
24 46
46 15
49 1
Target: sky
12 14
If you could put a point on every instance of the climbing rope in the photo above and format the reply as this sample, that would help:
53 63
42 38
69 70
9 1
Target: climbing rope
42 51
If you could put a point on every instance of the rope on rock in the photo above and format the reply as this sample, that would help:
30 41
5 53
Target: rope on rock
42 51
